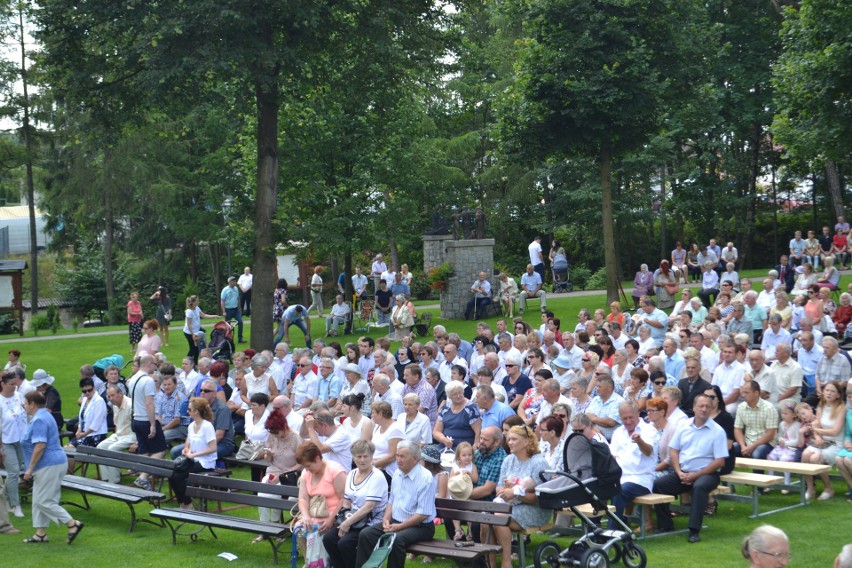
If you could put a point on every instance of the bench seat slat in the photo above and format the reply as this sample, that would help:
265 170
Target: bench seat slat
220 521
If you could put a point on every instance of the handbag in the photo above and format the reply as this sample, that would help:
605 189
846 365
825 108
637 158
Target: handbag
315 554
183 464
317 507
345 513
249 450
290 478
672 288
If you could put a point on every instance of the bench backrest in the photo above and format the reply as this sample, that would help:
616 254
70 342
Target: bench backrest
482 512
242 491
145 464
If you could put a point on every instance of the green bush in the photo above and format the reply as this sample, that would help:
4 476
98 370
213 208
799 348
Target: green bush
39 322
597 281
9 324
53 318
580 276
420 288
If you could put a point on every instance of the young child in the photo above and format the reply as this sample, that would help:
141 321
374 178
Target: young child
463 465
806 416
788 437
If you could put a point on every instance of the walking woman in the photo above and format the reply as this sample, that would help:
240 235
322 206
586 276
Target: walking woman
192 327
316 291
164 313
46 466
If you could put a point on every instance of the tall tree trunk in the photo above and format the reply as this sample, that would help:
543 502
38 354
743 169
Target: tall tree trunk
663 224
394 251
267 97
751 210
610 258
214 250
109 231
29 166
835 189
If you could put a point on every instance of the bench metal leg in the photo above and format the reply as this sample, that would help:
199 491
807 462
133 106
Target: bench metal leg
85 506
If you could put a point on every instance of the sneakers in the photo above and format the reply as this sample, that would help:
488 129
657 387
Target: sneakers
693 538
17 512
142 484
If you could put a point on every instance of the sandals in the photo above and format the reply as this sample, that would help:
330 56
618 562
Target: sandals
74 531
711 508
37 539
459 535
258 540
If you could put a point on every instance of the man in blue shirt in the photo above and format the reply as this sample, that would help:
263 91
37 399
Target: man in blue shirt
494 412
297 315
399 286
656 319
230 301
531 288
481 296
410 513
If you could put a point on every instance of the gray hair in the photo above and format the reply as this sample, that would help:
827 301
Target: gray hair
645 327
400 297
513 359
259 360
504 337
486 391
211 383
775 318
381 379
759 539
831 341
203 361
413 448
324 417
361 447
581 382
453 386
412 397
562 406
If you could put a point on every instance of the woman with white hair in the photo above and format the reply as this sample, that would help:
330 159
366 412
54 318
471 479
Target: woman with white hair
699 312
766 547
401 318
415 425
643 284
459 420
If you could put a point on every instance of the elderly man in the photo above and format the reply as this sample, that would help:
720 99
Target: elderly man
410 512
739 322
304 384
230 302
328 383
294 419
399 287
570 345
282 367
123 437
692 385
766 297
481 289
833 366
603 409
551 392
729 377
763 375
340 312
755 314
755 425
335 442
297 315
492 361
709 284
654 318
673 360
809 356
414 382
788 375
504 343
149 433
531 283
494 412
451 358
384 393
697 451
632 447
709 358
674 416
774 336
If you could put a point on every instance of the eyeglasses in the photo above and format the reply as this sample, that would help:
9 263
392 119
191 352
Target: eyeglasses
207 390
777 555
661 383
302 365
533 357
653 409
578 430
711 396
87 391
509 365
586 359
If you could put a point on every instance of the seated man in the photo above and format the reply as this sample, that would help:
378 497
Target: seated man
123 437
633 448
339 314
481 296
709 285
755 425
697 451
410 512
531 288
359 285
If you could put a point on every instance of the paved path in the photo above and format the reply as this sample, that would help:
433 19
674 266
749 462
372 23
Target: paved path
179 328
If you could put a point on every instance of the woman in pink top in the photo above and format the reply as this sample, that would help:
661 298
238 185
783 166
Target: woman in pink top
134 319
320 477
150 343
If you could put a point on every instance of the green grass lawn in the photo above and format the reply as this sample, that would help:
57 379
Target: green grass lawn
817 531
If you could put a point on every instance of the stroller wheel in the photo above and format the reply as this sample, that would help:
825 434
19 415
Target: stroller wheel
594 558
634 556
547 555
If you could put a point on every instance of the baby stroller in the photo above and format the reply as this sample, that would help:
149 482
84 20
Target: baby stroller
222 341
591 476
561 281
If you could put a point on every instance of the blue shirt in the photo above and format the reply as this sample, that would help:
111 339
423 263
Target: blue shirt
495 415
42 430
328 388
531 282
674 364
698 446
400 288
658 334
291 315
413 494
230 297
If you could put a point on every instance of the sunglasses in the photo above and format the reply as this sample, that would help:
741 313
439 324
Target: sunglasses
578 430
663 383
87 391
207 390
301 365
509 366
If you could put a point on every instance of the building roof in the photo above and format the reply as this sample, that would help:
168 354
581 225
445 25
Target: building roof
12 265
17 212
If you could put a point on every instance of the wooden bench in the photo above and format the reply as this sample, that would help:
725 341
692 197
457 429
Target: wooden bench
643 503
258 467
794 468
129 495
482 512
756 481
207 488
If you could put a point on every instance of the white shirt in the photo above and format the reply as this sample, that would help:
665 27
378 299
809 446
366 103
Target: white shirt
188 381
14 419
729 377
709 359
636 467
304 388
546 409
766 300
503 354
619 342
419 431
446 368
535 253
245 281
281 371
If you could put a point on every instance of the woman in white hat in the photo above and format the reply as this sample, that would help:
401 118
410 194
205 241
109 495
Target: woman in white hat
355 384
43 383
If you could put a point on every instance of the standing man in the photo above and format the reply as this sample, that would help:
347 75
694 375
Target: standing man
481 296
410 513
359 284
230 302
531 288
697 451
379 267
149 433
245 282
536 257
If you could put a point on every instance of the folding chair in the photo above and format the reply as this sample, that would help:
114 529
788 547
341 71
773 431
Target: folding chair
365 315
381 552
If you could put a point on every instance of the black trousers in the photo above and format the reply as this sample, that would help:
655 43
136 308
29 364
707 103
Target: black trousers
370 536
670 484
341 549
178 482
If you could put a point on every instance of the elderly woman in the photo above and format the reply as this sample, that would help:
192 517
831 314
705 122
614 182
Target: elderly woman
508 291
520 343
355 384
401 319
635 390
524 464
805 280
665 284
699 311
535 362
646 342
579 394
46 465
766 547
386 435
843 314
92 423
588 363
414 424
321 488
365 494
256 433
830 275
683 303
459 420
280 452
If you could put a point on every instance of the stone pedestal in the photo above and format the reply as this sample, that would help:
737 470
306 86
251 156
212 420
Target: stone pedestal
468 258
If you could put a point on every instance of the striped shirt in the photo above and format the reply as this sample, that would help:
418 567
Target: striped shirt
413 494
